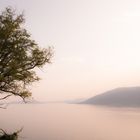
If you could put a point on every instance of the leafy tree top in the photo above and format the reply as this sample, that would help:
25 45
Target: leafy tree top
19 55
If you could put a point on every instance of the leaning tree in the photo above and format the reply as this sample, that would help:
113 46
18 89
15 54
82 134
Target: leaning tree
19 55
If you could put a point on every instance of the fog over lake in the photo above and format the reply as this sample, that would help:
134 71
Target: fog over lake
71 122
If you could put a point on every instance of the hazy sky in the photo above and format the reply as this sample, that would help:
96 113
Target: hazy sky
96 43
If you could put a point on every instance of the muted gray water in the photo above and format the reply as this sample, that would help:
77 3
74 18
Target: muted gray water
71 122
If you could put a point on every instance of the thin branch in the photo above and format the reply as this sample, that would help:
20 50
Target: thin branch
16 94
5 97
13 93
3 107
19 130
3 131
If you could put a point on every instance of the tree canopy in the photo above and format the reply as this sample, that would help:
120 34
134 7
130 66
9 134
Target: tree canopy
19 55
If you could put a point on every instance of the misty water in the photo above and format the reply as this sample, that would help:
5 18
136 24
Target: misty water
71 122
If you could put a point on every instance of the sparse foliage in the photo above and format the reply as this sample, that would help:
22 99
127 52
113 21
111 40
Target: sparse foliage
5 136
19 55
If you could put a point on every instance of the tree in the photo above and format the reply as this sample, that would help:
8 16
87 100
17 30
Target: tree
19 55
6 136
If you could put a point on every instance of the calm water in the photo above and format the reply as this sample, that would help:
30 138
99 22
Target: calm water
71 122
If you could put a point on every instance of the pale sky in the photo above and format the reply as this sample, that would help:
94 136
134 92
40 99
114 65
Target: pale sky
96 43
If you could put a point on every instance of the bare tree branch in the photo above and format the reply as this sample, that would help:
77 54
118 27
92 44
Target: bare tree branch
5 97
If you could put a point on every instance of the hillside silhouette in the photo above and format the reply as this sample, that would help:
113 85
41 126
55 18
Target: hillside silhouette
119 97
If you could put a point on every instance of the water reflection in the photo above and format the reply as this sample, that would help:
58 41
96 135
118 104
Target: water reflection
72 122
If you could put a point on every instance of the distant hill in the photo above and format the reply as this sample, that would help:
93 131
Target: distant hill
120 97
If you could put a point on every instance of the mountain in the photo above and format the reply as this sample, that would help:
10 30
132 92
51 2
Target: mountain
119 97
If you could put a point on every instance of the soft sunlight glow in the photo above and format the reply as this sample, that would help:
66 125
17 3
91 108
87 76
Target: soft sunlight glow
96 45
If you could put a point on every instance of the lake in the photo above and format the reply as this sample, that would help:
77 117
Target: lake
59 121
